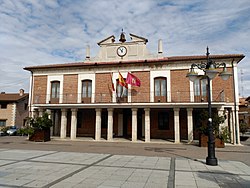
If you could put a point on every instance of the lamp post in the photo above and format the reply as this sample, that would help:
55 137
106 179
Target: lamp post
209 68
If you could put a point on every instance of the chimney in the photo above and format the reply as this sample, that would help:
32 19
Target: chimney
21 92
160 50
87 52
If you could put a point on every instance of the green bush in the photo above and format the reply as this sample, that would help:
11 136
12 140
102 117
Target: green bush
216 121
243 127
37 123
41 123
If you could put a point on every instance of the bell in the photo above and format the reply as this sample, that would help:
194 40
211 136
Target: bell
122 37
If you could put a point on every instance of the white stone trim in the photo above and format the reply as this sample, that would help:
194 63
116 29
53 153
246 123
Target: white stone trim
13 114
190 124
134 124
81 76
50 79
73 129
176 125
160 73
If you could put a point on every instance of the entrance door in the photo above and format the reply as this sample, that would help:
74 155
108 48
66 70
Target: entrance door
139 123
127 123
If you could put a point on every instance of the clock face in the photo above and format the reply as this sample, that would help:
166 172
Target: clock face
122 51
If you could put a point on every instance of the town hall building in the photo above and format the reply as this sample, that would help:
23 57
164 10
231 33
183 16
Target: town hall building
128 92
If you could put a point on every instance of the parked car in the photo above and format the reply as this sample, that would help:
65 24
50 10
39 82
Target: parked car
2 133
12 130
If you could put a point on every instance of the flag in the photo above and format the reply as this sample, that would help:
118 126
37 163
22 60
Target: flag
133 80
112 84
122 81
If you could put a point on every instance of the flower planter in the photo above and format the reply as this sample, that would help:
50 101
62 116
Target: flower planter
203 139
40 136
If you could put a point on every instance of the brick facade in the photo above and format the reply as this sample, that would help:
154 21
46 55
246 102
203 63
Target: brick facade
39 89
70 85
22 112
103 88
141 94
223 90
180 86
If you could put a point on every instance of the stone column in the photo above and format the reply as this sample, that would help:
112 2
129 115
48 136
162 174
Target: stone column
190 124
98 122
63 123
237 126
176 125
221 113
73 124
35 113
40 112
51 116
48 111
134 124
147 124
232 127
110 124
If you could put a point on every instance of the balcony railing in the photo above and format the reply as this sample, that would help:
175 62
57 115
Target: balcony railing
138 97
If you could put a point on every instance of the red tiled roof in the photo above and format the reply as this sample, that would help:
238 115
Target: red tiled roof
164 59
11 97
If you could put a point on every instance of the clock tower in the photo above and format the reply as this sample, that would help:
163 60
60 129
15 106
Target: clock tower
123 50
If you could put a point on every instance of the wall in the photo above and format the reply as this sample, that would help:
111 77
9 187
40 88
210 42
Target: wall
6 114
86 123
103 88
161 134
21 112
70 82
39 89
142 93
219 86
180 86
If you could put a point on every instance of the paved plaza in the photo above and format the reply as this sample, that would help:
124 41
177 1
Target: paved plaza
35 168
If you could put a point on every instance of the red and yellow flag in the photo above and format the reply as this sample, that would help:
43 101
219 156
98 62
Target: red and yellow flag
112 84
122 81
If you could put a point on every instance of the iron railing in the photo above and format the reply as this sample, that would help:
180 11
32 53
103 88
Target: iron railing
133 97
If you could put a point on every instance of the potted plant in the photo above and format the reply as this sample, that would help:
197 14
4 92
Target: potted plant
38 129
220 135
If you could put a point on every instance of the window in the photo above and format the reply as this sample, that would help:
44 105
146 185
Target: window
86 90
163 121
160 88
3 106
55 91
200 90
2 123
121 92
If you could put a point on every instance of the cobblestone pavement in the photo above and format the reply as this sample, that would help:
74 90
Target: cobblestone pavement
72 164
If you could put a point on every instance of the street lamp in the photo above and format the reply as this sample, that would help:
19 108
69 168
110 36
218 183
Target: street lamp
209 68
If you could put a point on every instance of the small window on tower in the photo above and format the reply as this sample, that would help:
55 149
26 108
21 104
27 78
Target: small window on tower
3 106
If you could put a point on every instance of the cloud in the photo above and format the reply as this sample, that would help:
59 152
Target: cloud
56 31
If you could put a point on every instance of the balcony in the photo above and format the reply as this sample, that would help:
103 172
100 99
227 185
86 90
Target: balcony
134 97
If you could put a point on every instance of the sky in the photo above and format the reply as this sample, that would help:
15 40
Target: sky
37 32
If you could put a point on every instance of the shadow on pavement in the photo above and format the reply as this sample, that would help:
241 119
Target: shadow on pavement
224 180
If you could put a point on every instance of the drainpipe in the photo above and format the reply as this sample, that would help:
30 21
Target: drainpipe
31 94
